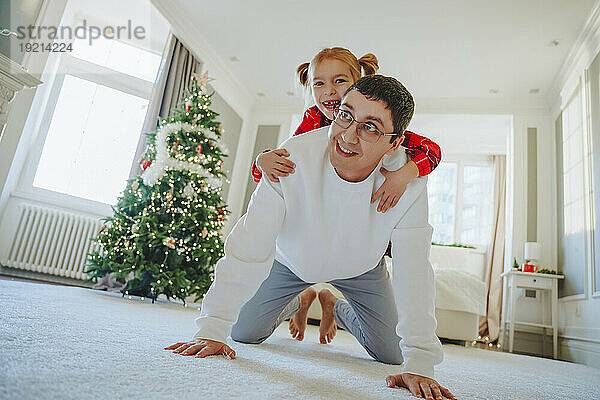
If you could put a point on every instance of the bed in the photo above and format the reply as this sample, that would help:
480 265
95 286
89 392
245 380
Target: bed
460 292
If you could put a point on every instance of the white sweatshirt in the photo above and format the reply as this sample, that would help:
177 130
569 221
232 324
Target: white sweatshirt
324 228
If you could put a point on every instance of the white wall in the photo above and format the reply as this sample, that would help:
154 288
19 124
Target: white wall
14 13
17 136
528 309
261 114
579 329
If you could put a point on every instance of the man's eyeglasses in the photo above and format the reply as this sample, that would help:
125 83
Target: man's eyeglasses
367 131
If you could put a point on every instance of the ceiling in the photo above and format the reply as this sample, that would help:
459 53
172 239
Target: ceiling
438 49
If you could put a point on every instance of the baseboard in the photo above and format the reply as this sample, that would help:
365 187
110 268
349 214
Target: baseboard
580 352
529 342
316 322
43 278
462 343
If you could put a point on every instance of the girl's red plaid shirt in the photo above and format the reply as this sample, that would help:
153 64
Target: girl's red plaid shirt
421 150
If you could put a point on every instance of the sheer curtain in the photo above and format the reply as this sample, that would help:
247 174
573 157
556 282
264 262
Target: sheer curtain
489 325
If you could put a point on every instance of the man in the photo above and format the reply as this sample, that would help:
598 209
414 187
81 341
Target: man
318 225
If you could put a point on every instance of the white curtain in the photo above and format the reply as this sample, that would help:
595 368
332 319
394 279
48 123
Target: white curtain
489 325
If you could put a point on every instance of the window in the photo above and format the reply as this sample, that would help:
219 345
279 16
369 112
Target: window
91 141
461 202
95 115
118 56
571 201
442 202
477 204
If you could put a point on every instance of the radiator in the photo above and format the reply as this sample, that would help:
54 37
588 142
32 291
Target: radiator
52 241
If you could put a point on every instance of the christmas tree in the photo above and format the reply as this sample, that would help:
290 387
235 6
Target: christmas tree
164 236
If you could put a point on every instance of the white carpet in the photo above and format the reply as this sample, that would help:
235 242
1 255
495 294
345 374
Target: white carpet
61 342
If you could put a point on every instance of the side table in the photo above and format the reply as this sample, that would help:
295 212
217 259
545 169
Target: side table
547 283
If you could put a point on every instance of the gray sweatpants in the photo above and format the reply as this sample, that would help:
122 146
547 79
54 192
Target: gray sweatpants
369 312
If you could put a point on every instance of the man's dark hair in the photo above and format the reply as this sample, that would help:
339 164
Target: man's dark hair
395 96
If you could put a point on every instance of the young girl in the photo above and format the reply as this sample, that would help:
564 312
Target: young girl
329 74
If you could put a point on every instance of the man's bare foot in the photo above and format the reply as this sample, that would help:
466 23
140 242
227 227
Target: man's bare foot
298 321
327 327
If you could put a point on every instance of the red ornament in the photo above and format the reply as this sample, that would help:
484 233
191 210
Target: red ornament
199 149
146 164
187 108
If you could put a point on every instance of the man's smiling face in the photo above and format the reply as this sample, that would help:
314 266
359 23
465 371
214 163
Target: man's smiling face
353 158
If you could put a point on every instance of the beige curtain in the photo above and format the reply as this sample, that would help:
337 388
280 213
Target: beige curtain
174 75
489 325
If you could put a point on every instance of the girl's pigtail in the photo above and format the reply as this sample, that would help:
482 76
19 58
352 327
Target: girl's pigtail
369 64
302 72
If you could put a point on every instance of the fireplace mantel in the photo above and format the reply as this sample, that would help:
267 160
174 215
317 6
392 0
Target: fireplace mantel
13 78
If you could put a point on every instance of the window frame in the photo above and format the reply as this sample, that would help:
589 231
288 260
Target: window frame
462 160
579 89
70 65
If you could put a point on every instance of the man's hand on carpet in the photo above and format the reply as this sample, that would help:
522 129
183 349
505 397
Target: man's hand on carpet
202 348
420 386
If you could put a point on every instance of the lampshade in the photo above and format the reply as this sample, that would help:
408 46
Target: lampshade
532 251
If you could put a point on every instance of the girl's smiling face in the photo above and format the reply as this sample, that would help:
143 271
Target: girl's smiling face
330 81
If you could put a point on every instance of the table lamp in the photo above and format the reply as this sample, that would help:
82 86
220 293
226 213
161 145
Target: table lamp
532 255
